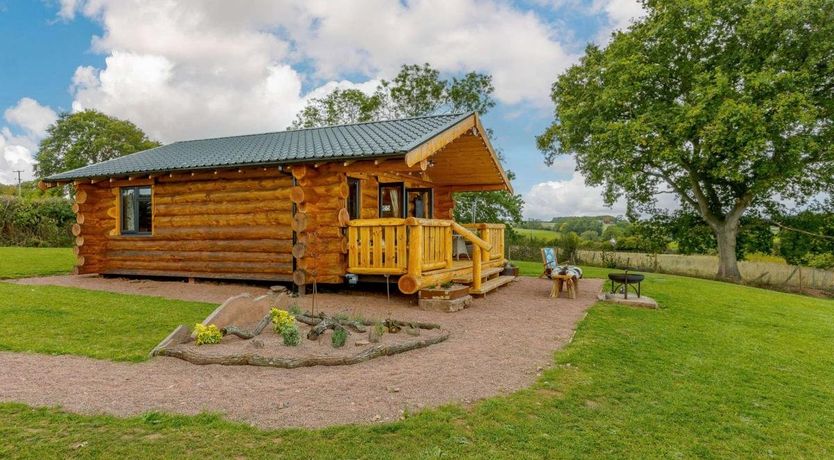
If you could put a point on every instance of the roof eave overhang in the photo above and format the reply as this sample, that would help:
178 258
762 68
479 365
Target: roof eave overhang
52 182
429 147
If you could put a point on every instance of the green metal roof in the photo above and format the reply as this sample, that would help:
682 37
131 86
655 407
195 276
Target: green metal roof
355 141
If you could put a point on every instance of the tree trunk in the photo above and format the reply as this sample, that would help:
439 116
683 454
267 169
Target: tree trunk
726 235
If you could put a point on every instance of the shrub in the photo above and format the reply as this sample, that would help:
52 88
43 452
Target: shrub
821 261
281 319
569 243
207 334
295 310
291 336
341 316
42 222
339 337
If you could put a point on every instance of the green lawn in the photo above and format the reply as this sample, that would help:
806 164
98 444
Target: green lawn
720 370
540 235
24 262
59 320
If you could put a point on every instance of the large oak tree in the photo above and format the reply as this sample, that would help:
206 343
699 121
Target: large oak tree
728 104
87 137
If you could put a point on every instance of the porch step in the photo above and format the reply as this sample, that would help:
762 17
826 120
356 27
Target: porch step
486 273
490 285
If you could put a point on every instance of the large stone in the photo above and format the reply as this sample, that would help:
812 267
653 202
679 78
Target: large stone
244 309
445 305
631 301
180 334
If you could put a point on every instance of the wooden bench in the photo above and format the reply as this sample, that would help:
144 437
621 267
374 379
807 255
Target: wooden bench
561 283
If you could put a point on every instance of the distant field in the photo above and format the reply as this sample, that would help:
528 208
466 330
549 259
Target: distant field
538 234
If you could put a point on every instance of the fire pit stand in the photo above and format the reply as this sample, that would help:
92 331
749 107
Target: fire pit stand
621 281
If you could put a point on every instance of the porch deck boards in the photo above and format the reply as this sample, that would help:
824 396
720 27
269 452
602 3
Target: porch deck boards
461 272
485 274
490 285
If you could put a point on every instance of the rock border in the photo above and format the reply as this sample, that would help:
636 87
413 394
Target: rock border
255 359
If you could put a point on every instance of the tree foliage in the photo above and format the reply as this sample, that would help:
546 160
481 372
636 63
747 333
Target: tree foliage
807 238
415 91
730 105
87 137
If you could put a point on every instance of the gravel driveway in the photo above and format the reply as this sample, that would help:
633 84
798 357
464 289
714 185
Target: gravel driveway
497 346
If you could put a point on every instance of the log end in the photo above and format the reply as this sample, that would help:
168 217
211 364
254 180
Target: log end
408 284
299 277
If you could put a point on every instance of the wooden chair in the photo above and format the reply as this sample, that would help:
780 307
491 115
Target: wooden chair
549 262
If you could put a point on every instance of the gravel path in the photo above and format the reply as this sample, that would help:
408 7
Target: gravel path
199 292
486 355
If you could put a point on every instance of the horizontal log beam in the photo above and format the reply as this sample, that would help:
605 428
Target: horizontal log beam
205 256
224 233
155 244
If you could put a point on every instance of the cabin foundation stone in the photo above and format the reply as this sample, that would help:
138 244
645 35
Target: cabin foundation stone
445 305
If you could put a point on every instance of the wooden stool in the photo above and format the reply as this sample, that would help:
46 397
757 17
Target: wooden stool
563 282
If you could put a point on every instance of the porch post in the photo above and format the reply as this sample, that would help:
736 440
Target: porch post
476 267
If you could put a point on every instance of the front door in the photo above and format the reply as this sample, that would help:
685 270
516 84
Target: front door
420 203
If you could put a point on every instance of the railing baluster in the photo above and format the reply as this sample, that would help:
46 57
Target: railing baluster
377 234
389 247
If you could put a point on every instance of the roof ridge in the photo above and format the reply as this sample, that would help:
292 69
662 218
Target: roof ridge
419 117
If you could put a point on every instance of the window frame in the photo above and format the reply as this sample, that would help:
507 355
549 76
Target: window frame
136 213
403 207
355 189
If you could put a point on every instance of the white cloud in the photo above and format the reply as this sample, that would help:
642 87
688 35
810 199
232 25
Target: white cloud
569 197
198 69
17 150
67 10
31 116
619 13
572 197
518 48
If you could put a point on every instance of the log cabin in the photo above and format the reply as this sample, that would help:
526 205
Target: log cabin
366 200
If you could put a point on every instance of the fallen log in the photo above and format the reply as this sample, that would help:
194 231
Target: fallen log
323 325
367 322
248 333
194 356
356 326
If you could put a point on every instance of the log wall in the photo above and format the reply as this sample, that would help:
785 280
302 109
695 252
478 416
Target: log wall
234 225
444 203
255 223
320 251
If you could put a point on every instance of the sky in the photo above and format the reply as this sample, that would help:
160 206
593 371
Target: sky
186 69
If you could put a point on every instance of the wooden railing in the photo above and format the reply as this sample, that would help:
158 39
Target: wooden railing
377 247
411 247
492 233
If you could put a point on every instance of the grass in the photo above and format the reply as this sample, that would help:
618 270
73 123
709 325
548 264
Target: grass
720 370
539 235
24 262
60 320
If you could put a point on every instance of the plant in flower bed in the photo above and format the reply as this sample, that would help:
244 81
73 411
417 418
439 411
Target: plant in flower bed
376 332
207 334
291 335
339 338
281 319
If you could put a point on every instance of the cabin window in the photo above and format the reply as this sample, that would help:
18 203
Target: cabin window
420 203
391 197
136 210
353 204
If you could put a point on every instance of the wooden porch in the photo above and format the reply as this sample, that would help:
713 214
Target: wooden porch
421 252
